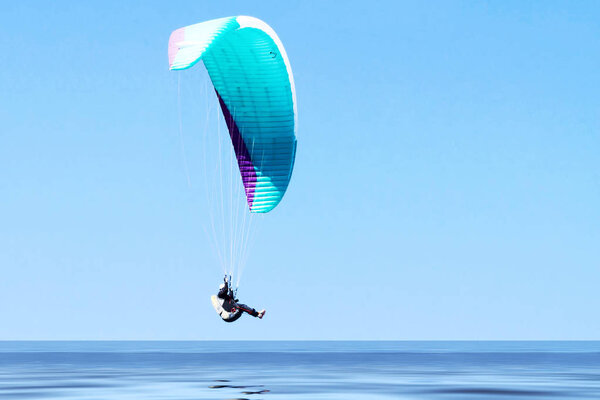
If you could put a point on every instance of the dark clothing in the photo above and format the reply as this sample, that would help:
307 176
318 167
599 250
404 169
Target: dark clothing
246 309
230 304
225 293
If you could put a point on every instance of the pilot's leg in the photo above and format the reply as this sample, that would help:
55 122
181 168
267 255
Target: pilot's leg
247 309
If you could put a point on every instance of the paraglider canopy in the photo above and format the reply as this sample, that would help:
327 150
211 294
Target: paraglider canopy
252 77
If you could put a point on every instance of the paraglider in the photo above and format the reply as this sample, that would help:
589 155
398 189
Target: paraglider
252 78
228 307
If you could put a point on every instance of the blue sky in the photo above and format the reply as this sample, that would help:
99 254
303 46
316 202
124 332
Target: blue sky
446 185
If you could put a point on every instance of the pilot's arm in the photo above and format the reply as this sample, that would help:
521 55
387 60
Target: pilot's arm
224 292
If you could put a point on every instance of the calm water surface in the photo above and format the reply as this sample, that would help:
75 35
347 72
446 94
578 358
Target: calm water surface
300 370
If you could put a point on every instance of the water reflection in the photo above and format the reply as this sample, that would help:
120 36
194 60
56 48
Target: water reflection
234 387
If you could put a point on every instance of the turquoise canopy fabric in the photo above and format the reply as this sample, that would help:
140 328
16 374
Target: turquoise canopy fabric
252 77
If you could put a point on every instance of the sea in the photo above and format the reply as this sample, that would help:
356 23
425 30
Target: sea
219 370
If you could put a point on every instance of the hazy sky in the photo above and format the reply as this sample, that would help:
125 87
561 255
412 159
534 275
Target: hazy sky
446 185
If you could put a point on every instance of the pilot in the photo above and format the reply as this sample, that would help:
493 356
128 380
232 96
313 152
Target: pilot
232 305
